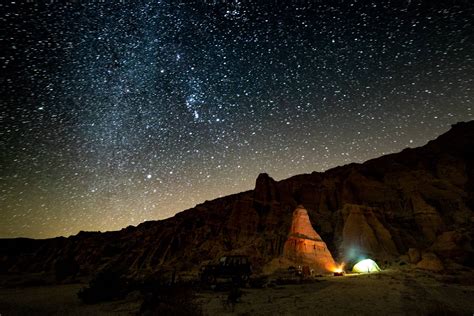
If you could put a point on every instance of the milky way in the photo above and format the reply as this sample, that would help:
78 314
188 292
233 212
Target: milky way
117 113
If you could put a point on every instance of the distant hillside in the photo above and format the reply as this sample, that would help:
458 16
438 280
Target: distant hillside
420 197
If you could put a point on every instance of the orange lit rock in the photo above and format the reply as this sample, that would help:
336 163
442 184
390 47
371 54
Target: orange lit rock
304 245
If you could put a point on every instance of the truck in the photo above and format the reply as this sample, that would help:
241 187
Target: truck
236 268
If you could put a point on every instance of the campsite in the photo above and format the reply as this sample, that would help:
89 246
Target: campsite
304 280
390 292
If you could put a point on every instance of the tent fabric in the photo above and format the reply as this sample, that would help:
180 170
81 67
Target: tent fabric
366 266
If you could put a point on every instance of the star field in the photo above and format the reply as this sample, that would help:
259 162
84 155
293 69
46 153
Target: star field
116 113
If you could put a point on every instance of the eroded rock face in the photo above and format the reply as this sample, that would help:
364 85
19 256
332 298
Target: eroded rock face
419 198
301 225
365 234
426 217
304 246
455 245
430 262
414 255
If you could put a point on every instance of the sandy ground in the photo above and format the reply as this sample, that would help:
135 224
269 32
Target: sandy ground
59 300
385 293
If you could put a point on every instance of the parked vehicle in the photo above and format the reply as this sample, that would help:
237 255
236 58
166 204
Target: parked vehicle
236 268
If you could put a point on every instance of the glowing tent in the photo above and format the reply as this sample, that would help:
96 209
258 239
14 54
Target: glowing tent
366 266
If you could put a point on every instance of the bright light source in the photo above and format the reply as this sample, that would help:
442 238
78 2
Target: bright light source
339 268
366 266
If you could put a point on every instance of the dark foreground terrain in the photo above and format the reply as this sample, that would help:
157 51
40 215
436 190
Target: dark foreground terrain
391 292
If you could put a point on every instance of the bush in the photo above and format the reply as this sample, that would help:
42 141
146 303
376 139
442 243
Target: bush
164 298
258 282
65 267
106 286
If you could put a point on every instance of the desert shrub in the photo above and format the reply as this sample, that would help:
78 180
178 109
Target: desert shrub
469 260
233 297
164 298
107 285
258 282
65 267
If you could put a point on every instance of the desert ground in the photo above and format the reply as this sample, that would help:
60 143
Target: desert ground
391 292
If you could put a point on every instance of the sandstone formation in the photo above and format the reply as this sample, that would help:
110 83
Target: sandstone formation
304 246
419 198
414 255
364 234
430 262
451 244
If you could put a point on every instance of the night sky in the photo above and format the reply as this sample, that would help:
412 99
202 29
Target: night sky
117 113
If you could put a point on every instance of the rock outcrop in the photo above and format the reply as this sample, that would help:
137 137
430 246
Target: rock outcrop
304 246
414 255
430 262
419 198
365 235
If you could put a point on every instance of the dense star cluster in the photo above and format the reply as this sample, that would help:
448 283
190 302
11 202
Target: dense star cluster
113 113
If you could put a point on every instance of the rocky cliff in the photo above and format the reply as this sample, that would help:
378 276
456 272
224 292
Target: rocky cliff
419 198
304 246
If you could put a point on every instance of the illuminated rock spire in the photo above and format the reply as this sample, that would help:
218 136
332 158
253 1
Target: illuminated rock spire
304 246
